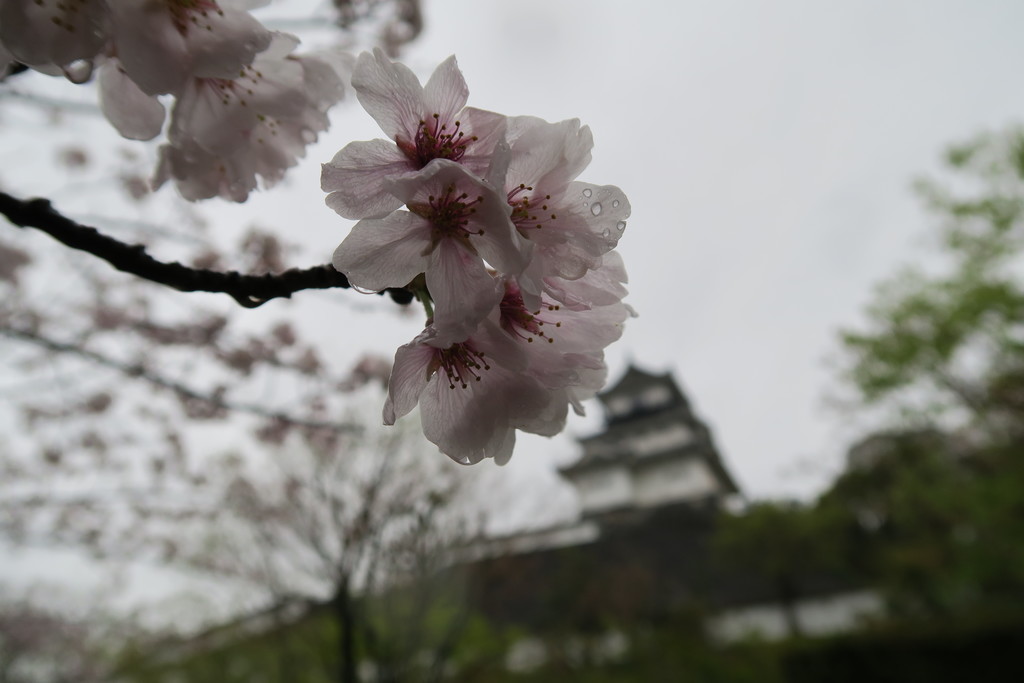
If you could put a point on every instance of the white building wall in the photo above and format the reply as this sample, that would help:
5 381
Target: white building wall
817 617
673 480
604 489
838 613
659 441
760 621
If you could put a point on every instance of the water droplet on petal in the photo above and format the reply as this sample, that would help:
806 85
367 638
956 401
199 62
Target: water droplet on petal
586 203
79 71
620 226
587 192
606 233
596 209
615 204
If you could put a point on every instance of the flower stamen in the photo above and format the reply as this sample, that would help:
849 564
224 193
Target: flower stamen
434 140
449 215
523 209
519 322
461 363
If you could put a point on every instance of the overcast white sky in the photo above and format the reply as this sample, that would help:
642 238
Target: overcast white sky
767 149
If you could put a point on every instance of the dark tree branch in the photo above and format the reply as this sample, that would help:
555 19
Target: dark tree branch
248 290
181 390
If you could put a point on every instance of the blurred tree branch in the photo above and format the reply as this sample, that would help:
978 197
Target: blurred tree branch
249 291
213 399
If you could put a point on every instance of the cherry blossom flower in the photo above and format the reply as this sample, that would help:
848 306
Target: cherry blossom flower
225 133
518 370
472 394
572 224
425 123
55 36
164 44
454 224
564 347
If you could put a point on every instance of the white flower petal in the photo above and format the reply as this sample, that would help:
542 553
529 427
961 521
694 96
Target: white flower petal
488 128
408 379
446 92
390 93
135 115
51 34
231 40
604 208
356 177
547 155
384 252
463 291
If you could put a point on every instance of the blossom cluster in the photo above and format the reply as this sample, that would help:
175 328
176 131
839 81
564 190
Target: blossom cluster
245 105
481 215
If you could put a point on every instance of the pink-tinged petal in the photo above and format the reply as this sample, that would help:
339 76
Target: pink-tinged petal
560 370
591 330
447 424
231 40
601 286
202 118
356 179
569 255
384 252
551 421
497 168
464 293
488 128
161 56
490 340
324 75
200 175
50 35
591 380
499 243
547 155
135 115
446 92
604 208
533 408
501 446
154 52
273 85
471 424
409 377
434 179
390 93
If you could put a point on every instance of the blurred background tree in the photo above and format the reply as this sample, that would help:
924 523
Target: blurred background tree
949 345
941 497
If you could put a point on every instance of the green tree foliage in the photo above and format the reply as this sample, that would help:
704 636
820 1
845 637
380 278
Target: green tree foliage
941 509
940 522
952 343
